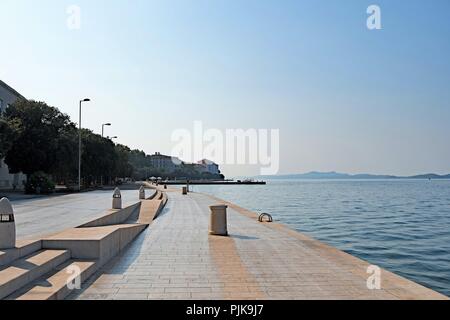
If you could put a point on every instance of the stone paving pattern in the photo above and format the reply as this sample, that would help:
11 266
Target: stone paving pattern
177 259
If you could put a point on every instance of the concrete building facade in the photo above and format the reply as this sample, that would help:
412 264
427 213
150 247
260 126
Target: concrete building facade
169 164
164 163
9 181
209 166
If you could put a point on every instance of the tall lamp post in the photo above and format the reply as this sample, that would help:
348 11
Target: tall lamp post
103 127
79 145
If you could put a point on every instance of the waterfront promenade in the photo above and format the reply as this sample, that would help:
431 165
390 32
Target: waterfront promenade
41 216
175 258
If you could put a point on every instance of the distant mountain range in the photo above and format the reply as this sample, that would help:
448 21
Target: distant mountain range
336 175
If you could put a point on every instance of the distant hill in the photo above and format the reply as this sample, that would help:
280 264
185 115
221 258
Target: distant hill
336 175
430 176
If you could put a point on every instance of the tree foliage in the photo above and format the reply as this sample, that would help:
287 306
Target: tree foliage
123 167
37 138
7 134
42 142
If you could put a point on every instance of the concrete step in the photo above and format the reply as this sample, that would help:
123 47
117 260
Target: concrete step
93 243
23 248
25 270
150 209
53 286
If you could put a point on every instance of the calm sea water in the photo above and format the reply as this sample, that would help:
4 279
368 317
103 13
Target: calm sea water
400 225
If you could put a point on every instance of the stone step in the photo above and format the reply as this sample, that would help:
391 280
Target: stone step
53 286
102 243
23 248
25 270
150 209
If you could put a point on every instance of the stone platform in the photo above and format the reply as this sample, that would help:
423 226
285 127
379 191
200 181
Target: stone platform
175 258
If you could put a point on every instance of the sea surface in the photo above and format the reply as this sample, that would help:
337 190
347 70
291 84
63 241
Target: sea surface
400 225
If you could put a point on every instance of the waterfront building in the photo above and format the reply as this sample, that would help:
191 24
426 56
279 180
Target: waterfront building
9 181
208 166
164 163
167 165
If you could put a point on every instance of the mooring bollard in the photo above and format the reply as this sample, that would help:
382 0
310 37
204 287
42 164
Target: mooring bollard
142 193
165 186
117 199
218 220
7 225
184 191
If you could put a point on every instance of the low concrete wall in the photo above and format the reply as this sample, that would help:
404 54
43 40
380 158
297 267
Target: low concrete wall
150 209
155 195
114 217
164 199
118 240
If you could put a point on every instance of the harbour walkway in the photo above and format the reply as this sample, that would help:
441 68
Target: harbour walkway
175 258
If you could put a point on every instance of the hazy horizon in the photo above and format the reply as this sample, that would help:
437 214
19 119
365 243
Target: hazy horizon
345 98
353 174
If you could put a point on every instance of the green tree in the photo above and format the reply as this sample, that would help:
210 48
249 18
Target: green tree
98 157
65 170
123 167
38 136
7 134
141 164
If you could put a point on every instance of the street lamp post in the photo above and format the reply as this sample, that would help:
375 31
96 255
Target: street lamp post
79 145
103 127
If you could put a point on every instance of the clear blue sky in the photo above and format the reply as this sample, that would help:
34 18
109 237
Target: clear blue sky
344 98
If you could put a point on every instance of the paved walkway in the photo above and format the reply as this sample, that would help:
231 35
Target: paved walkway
177 259
46 215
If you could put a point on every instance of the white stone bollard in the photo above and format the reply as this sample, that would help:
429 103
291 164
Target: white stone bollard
7 225
117 199
142 193
218 220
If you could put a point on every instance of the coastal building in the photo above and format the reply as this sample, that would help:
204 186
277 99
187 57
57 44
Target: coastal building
167 165
9 181
208 166
164 163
